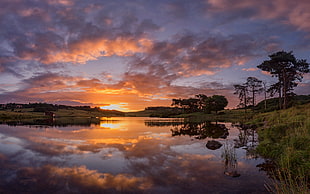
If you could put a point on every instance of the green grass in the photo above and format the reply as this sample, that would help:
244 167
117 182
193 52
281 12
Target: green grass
234 116
27 113
21 114
285 138
284 182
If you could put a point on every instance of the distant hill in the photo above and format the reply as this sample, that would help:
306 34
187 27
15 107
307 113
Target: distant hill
156 111
14 110
273 103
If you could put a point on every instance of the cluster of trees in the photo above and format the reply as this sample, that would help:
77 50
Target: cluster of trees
247 91
201 103
282 65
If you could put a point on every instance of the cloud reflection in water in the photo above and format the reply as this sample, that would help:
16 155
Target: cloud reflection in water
96 160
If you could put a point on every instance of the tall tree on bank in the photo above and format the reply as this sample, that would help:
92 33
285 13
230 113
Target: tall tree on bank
288 70
254 86
265 94
242 91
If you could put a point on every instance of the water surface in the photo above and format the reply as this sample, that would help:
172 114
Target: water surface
129 155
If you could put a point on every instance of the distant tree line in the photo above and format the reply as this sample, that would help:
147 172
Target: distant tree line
42 107
45 107
201 103
282 65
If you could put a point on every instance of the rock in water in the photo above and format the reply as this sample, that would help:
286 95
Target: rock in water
213 145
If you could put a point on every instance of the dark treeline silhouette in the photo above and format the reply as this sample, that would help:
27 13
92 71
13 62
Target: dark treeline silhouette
201 103
42 107
45 107
163 111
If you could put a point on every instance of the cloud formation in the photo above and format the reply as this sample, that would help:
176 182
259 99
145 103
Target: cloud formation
149 50
51 179
61 160
287 12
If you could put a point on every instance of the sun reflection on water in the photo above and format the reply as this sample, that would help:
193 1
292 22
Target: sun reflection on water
121 155
109 125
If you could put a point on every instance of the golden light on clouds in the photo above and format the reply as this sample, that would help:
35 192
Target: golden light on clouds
91 49
120 107
250 69
98 52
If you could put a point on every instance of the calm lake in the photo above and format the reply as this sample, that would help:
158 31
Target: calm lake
129 155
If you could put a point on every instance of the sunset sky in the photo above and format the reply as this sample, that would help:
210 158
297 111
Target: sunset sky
138 53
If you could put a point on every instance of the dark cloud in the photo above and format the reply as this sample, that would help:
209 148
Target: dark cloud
190 55
37 31
288 12
154 72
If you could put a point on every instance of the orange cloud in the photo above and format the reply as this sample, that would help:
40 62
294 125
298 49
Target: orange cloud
84 180
86 50
265 73
249 69
61 2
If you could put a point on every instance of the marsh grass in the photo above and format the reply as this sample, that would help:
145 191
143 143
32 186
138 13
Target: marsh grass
229 157
229 153
283 182
285 138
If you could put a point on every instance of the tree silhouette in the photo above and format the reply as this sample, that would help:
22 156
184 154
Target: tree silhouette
242 91
201 104
254 86
288 70
188 105
216 103
265 94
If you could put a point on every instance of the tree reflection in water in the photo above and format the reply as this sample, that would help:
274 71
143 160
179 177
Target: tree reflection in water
215 131
142 159
247 139
201 130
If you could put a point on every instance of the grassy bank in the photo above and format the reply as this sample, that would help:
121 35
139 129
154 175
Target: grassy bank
285 138
29 113
20 114
234 116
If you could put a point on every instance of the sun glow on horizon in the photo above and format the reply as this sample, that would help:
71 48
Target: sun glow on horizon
119 107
